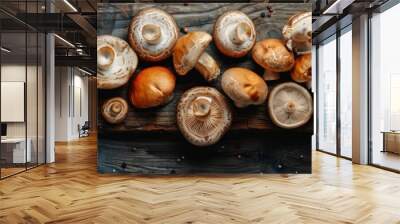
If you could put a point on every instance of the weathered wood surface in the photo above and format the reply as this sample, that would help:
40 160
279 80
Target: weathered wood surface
114 19
148 141
235 153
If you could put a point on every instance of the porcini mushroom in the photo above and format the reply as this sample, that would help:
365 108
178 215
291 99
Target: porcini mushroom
274 57
302 68
234 34
298 33
153 86
203 115
114 110
116 62
189 53
244 87
152 34
290 105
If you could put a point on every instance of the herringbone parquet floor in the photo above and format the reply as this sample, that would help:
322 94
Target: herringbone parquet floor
71 191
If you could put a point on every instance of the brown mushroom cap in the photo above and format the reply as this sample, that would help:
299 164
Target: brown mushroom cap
290 105
153 34
114 110
273 55
298 32
153 86
116 62
203 116
302 68
234 34
244 87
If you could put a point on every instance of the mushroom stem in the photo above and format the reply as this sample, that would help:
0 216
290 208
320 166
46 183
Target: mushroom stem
202 106
116 108
151 33
290 107
207 67
241 33
270 75
105 56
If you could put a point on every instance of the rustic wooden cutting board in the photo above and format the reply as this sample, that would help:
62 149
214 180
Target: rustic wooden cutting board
148 141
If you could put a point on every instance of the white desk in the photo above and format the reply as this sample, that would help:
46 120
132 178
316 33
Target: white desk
18 149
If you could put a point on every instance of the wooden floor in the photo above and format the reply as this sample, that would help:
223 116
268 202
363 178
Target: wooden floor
71 191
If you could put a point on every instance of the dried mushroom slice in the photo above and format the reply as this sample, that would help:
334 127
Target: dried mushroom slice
115 110
203 116
290 105
116 62
153 34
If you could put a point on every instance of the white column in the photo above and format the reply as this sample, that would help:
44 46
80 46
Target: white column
360 90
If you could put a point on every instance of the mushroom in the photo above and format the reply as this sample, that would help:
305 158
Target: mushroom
116 62
234 34
274 57
302 69
298 33
244 87
290 105
203 115
189 53
115 110
152 34
153 86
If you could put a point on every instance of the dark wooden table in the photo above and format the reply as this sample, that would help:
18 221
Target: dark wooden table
148 141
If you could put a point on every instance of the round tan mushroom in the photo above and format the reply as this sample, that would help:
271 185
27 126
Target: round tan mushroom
152 34
302 69
189 53
290 105
298 33
203 116
274 57
244 87
234 34
114 110
153 86
116 62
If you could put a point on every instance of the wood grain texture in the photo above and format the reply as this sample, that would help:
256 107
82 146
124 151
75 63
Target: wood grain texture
154 131
71 191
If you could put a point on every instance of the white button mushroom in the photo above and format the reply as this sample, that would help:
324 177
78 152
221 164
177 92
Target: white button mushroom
114 110
274 57
116 62
153 34
290 105
234 34
189 53
298 33
244 87
203 116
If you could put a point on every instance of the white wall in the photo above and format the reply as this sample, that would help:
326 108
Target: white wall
71 102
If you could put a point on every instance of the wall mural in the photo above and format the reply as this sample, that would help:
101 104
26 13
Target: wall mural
190 88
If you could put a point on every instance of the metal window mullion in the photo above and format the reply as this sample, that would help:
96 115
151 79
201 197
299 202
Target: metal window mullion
338 94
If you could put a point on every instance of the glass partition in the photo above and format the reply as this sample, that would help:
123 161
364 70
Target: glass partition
327 96
346 93
22 89
385 90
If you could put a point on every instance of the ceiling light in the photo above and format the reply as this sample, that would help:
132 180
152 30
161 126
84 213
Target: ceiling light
65 41
5 50
70 5
84 71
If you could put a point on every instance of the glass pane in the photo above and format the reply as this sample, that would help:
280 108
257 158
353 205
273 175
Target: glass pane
385 84
13 86
327 96
346 94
